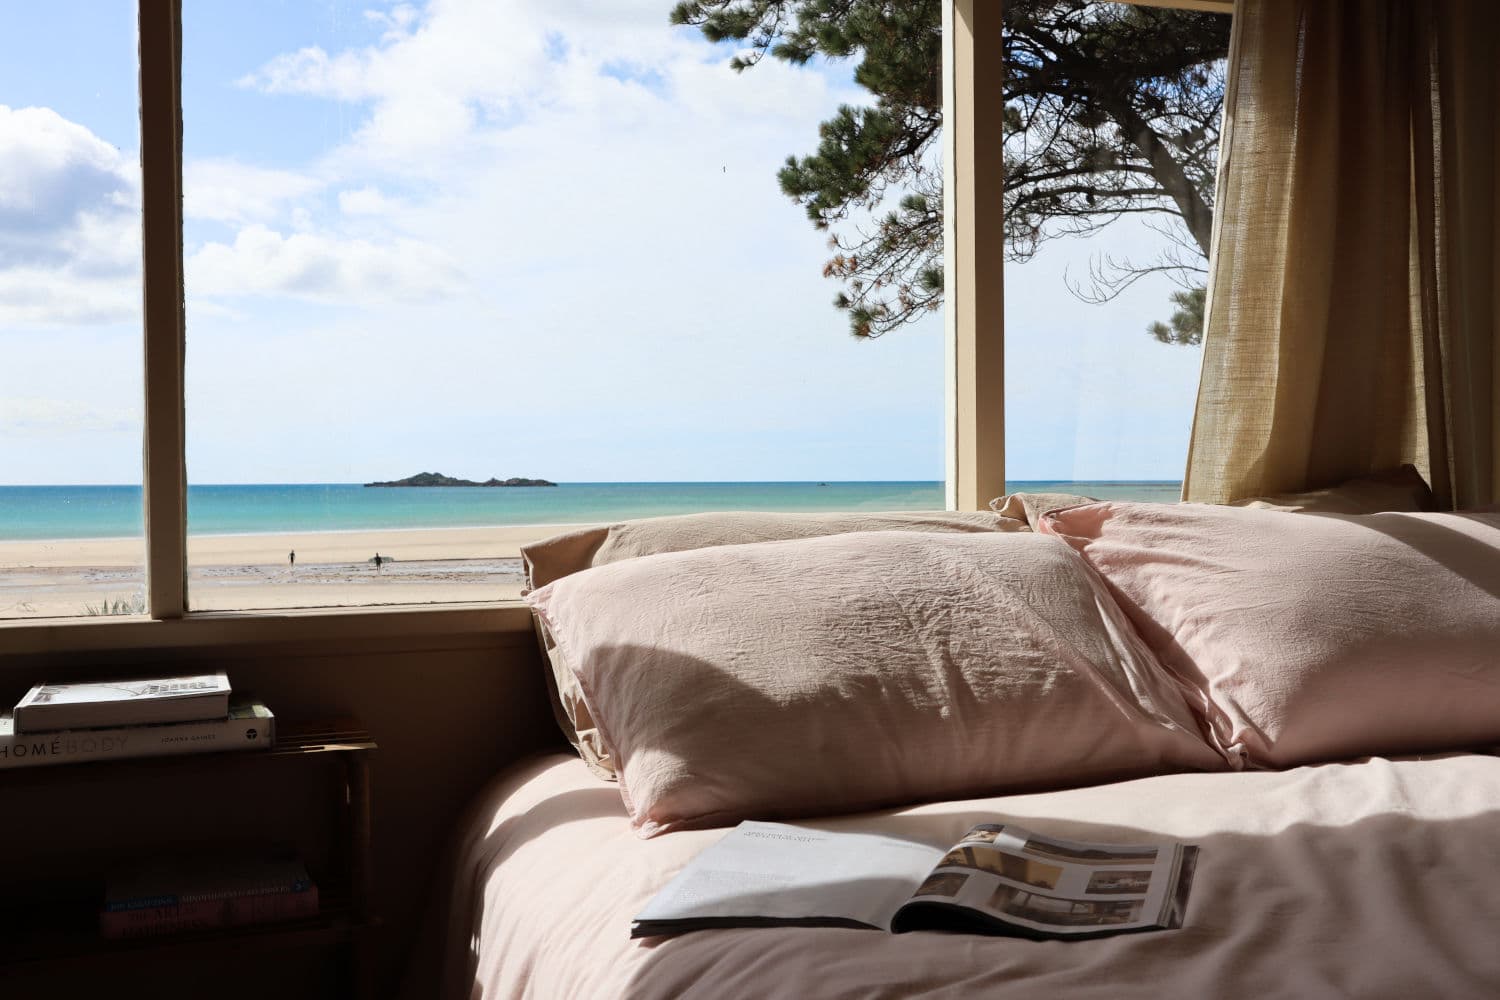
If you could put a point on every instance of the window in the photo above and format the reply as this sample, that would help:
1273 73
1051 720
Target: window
513 240
1109 208
507 240
71 535
487 240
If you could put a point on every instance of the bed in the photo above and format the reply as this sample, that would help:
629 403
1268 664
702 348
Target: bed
1372 878
1314 701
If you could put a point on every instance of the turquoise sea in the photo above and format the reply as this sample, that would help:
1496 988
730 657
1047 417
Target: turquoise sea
48 512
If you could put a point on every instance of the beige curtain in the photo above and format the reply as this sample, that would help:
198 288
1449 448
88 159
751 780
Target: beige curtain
1354 309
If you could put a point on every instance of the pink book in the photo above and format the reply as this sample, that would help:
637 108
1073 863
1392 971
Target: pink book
209 914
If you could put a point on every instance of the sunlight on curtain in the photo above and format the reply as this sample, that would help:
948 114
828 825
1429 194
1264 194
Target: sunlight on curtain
1353 312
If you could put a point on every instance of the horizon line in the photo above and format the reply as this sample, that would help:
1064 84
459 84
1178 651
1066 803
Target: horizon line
623 482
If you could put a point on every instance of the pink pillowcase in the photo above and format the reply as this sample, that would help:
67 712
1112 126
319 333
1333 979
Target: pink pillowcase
1310 636
859 670
583 548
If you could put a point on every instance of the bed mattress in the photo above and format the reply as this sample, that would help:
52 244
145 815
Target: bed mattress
1372 878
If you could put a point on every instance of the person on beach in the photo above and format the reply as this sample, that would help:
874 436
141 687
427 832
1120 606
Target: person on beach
291 558
377 560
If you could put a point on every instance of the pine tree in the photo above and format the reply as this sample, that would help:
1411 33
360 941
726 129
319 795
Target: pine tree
1186 325
1111 110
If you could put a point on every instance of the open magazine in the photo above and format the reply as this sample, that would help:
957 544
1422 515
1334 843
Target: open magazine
999 879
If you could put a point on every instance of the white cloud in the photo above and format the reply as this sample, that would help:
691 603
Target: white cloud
431 76
61 297
444 82
52 170
228 191
70 229
23 415
396 21
262 261
312 71
365 201
513 139
101 246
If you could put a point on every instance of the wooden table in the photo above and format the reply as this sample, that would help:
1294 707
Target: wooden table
51 934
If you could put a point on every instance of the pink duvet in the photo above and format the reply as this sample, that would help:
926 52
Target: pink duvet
1372 879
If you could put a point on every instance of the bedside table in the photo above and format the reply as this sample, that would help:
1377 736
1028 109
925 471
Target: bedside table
49 931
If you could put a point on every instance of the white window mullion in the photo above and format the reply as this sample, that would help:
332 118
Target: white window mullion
161 198
974 250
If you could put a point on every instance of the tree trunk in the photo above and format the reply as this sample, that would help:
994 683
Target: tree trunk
1196 214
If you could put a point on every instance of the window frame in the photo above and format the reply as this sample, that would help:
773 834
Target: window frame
974 251
974 328
974 242
164 458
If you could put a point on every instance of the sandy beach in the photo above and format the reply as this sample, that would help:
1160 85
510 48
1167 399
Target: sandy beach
254 572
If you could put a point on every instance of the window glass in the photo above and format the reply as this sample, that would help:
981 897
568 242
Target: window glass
1112 116
71 535
529 239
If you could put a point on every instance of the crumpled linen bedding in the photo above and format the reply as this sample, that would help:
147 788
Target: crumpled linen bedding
1376 878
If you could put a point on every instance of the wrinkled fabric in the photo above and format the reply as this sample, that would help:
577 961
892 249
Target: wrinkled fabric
1312 637
574 551
829 674
1376 879
565 554
1029 507
1401 489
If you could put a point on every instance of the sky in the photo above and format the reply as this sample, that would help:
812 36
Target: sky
529 237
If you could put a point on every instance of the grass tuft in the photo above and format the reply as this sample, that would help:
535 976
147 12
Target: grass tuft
135 604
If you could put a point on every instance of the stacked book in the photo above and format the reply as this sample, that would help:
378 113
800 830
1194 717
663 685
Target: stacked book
195 894
66 723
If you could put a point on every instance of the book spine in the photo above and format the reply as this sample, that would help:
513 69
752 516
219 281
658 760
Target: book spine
199 895
209 914
37 749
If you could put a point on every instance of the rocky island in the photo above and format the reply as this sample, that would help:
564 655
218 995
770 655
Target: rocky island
438 479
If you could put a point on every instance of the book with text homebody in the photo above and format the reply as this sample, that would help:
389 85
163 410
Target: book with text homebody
250 726
96 704
999 879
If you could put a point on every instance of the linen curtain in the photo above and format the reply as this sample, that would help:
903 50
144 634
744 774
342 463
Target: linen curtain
1353 313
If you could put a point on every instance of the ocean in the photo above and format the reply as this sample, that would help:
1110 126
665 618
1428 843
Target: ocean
61 512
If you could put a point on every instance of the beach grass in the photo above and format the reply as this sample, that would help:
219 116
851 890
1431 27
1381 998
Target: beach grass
135 604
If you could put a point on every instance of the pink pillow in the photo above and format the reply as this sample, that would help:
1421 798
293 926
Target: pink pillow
583 548
859 670
1312 636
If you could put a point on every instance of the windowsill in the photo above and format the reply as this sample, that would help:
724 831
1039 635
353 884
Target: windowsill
225 628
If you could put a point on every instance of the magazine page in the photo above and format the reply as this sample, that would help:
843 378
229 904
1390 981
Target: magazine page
1051 886
774 873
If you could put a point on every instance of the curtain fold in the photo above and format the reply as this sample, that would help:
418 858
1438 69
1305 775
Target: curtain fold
1352 315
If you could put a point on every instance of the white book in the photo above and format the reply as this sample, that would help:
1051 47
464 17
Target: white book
98 704
249 726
